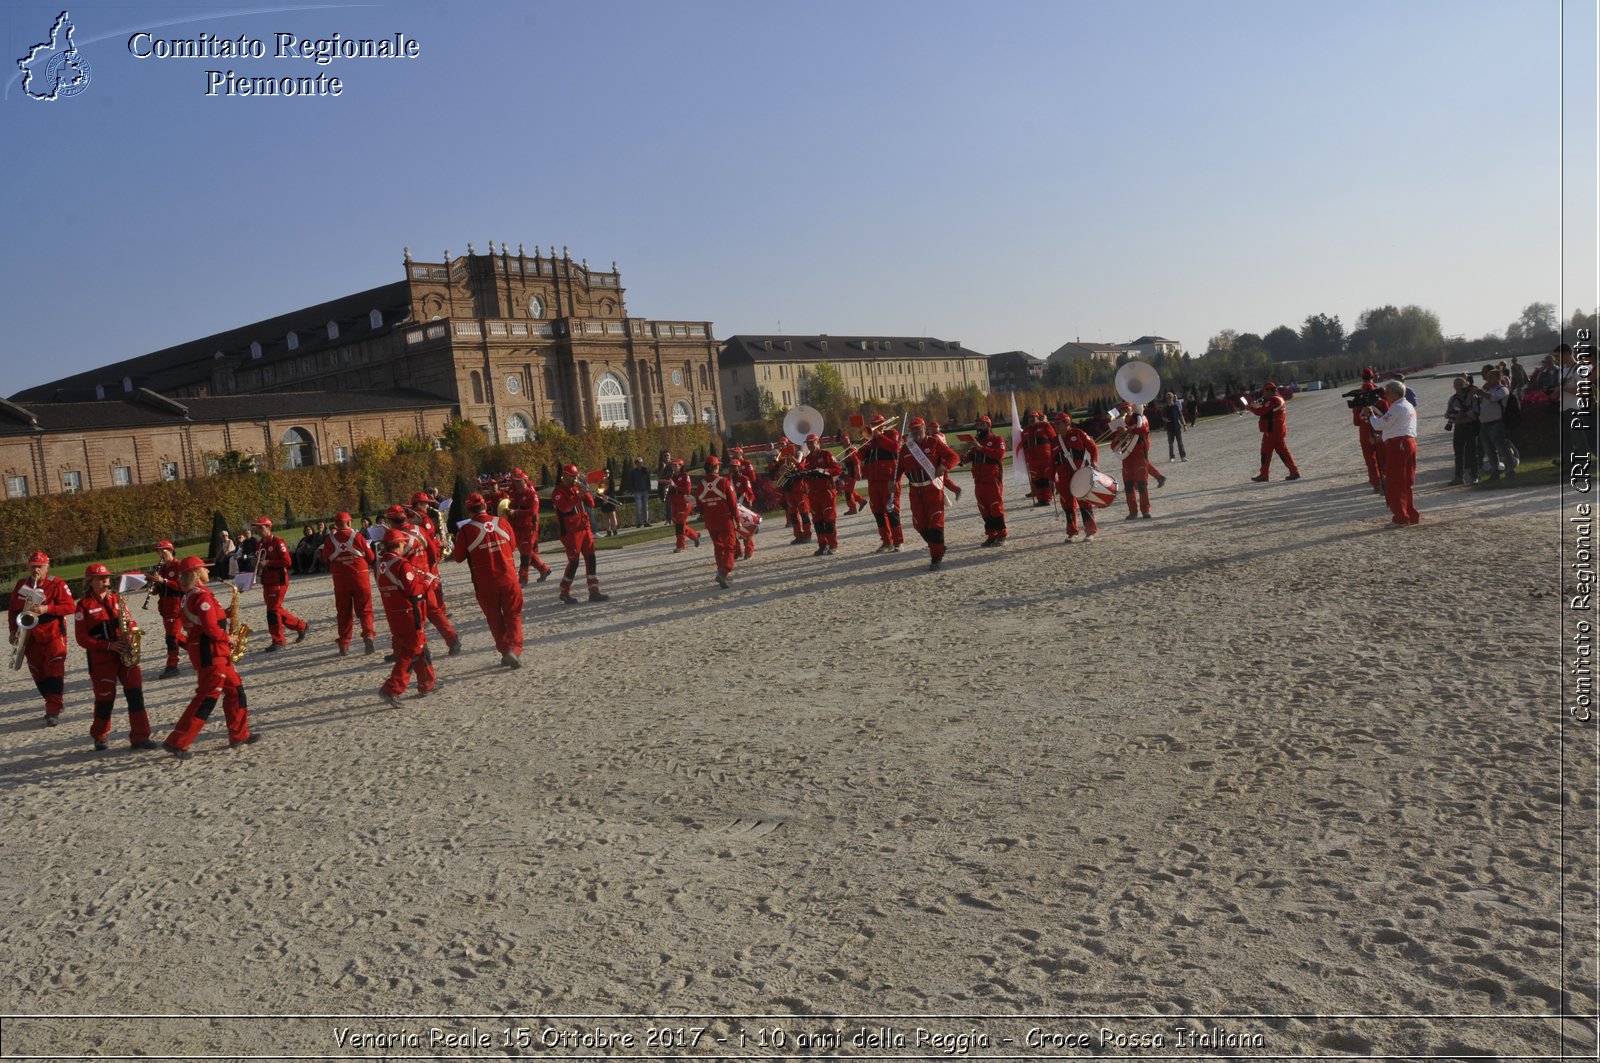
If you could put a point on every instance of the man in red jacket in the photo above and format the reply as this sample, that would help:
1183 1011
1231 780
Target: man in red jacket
679 501
348 556
273 562
524 516
988 457
169 596
850 461
572 502
796 502
487 546
880 457
1371 449
47 600
102 614
1038 445
1074 450
1133 440
215 677
403 588
423 550
718 500
1274 424
925 460
822 493
743 475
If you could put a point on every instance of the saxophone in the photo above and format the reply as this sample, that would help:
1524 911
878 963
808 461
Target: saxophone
131 633
238 633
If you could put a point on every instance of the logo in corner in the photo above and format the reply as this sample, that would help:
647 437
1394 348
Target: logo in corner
56 65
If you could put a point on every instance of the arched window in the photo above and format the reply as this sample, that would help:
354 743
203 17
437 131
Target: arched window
680 413
375 319
299 452
613 402
333 330
703 385
477 387
708 417
517 428
292 341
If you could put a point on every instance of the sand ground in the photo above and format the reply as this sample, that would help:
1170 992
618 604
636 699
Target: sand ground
1259 765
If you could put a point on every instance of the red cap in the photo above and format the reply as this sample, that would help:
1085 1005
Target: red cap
1367 373
38 557
986 422
712 461
736 450
165 545
191 564
519 474
573 469
395 513
812 438
341 517
475 501
421 498
917 422
1063 417
97 569
261 522
1269 386
877 418
394 537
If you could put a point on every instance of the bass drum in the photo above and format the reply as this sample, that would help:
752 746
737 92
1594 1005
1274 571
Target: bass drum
1093 486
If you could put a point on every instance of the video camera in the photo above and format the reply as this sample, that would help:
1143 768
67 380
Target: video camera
1363 397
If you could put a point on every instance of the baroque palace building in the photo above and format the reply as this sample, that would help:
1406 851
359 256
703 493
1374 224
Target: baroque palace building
505 340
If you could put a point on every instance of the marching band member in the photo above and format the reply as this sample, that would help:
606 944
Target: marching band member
1398 427
1074 449
988 457
169 596
880 456
718 500
99 630
925 461
488 547
423 550
524 517
1133 440
796 501
1274 424
49 599
1038 447
403 588
822 494
743 475
273 562
349 557
1371 451
215 677
850 461
572 503
679 501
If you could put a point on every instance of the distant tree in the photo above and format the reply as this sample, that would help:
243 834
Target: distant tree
1580 320
1537 323
374 452
232 462
463 436
1322 336
1398 336
1222 342
412 445
824 388
1283 344
762 402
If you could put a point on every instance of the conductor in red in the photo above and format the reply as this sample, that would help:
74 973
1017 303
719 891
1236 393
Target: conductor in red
488 547
215 677
273 562
987 454
718 499
403 587
104 628
924 461
169 596
349 557
1274 417
819 468
572 503
40 605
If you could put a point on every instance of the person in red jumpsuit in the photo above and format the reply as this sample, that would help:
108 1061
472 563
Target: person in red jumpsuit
718 499
1038 447
819 468
1371 450
1397 425
274 560
1074 449
572 502
50 600
423 550
349 557
880 458
205 622
169 596
987 455
1133 440
1274 424
743 475
926 475
678 487
524 517
488 547
403 588
850 461
98 627
796 500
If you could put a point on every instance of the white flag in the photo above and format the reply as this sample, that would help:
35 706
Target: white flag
1019 468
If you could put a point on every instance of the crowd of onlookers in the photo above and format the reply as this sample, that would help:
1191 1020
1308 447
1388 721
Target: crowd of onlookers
1483 412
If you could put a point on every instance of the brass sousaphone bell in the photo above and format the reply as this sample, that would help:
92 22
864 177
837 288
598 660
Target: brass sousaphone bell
800 422
1138 382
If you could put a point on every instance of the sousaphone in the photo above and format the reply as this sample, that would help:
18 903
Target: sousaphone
1138 382
800 422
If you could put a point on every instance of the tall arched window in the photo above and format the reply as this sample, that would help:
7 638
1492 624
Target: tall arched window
477 387
708 416
612 402
517 428
680 413
299 451
704 386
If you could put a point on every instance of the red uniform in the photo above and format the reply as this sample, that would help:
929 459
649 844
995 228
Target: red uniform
718 499
743 475
988 458
97 626
403 588
850 461
215 676
796 502
927 495
1371 448
822 496
273 562
524 517
423 552
47 642
169 597
1074 449
572 503
488 548
1274 424
348 555
880 458
1137 469
681 503
1038 446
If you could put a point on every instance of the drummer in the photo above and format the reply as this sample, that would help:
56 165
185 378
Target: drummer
1075 452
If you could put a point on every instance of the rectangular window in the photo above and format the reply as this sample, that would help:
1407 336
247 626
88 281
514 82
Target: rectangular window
169 470
121 475
72 482
341 455
16 487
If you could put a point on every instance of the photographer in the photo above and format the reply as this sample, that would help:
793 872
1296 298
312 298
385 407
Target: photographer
1398 427
1461 419
1498 452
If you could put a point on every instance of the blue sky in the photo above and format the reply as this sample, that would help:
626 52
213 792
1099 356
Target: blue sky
1013 174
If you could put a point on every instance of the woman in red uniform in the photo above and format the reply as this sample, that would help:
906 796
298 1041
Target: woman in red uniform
215 677
572 502
49 601
99 629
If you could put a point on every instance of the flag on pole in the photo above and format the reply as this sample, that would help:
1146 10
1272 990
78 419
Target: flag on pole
1019 468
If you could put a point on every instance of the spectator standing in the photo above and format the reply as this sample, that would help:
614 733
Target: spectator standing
1461 414
1577 417
1172 414
639 484
226 564
1498 452
1519 378
246 552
